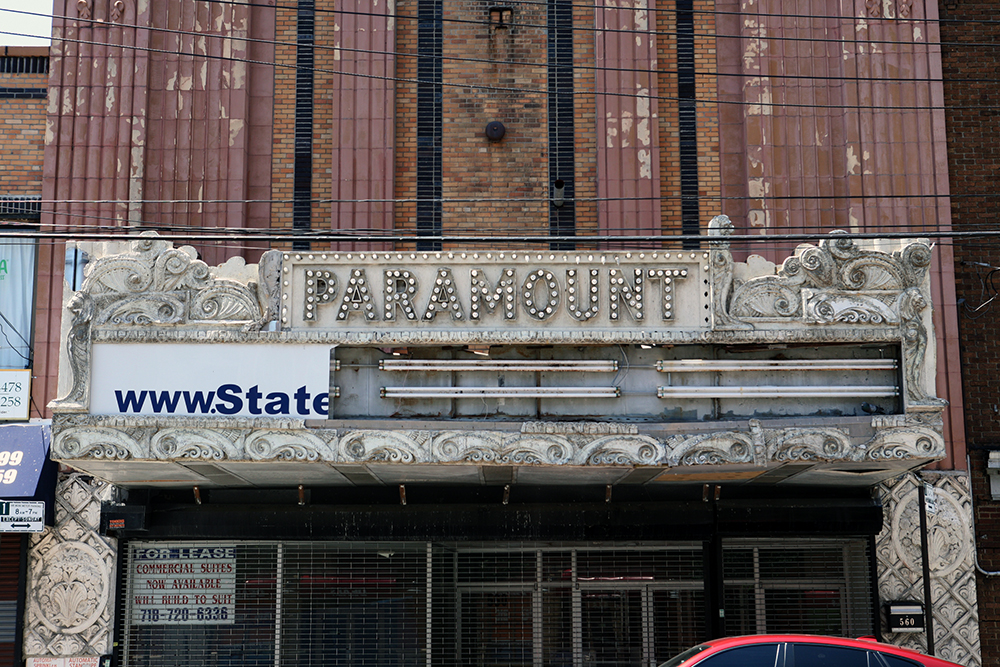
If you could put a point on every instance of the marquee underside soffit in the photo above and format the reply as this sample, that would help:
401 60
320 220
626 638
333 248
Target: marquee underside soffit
235 453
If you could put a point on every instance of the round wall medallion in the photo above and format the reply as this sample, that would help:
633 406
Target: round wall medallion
70 591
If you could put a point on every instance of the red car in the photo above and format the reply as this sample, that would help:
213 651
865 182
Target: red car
800 651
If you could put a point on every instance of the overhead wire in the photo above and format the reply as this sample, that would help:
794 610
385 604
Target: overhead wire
397 17
484 22
932 21
523 90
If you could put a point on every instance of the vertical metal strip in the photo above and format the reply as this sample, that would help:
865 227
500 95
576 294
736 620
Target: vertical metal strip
279 576
577 619
760 610
873 583
648 639
537 618
429 118
562 219
925 558
459 616
430 604
22 589
305 62
687 120
125 552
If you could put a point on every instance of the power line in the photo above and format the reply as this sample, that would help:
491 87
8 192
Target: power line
504 89
389 237
538 91
525 63
630 31
485 22
526 200
697 12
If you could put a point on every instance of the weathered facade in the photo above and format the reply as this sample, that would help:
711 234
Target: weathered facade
499 414
735 452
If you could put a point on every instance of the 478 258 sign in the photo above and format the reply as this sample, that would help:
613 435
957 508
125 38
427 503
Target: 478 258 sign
15 390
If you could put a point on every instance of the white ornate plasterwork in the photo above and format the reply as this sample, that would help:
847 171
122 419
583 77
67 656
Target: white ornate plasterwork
837 283
950 558
159 286
70 604
79 438
831 292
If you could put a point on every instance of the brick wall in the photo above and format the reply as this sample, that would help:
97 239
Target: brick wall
509 81
22 135
283 129
706 88
22 126
972 101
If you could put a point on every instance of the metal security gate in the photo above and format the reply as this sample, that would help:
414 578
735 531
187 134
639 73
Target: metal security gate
307 604
800 586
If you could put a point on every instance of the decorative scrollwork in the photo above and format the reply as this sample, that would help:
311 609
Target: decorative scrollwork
835 267
381 446
765 298
278 445
225 301
804 444
155 285
96 443
711 449
827 307
70 592
191 444
905 442
624 450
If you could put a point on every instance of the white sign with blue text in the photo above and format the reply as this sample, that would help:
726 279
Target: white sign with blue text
210 380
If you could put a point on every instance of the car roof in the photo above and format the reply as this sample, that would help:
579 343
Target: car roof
728 642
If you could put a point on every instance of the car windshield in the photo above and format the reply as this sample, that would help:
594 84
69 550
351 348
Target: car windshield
682 658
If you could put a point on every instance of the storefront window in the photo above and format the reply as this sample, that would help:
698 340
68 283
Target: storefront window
17 289
296 604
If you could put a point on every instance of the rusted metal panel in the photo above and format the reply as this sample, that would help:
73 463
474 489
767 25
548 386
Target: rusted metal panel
627 118
843 124
363 99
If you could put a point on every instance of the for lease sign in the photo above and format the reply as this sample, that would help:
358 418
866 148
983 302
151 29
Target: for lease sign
213 379
191 585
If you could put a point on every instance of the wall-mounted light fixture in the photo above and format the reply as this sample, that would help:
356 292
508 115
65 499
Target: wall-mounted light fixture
500 392
501 17
495 130
709 365
829 391
558 193
498 365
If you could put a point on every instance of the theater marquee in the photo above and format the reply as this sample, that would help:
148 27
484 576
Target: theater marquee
489 290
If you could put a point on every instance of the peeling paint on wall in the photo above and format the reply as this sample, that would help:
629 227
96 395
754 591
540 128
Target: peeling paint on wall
235 127
853 163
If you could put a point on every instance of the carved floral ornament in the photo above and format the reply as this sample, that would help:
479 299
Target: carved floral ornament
830 292
99 13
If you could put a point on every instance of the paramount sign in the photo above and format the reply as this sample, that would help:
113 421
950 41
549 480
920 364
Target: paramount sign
488 290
